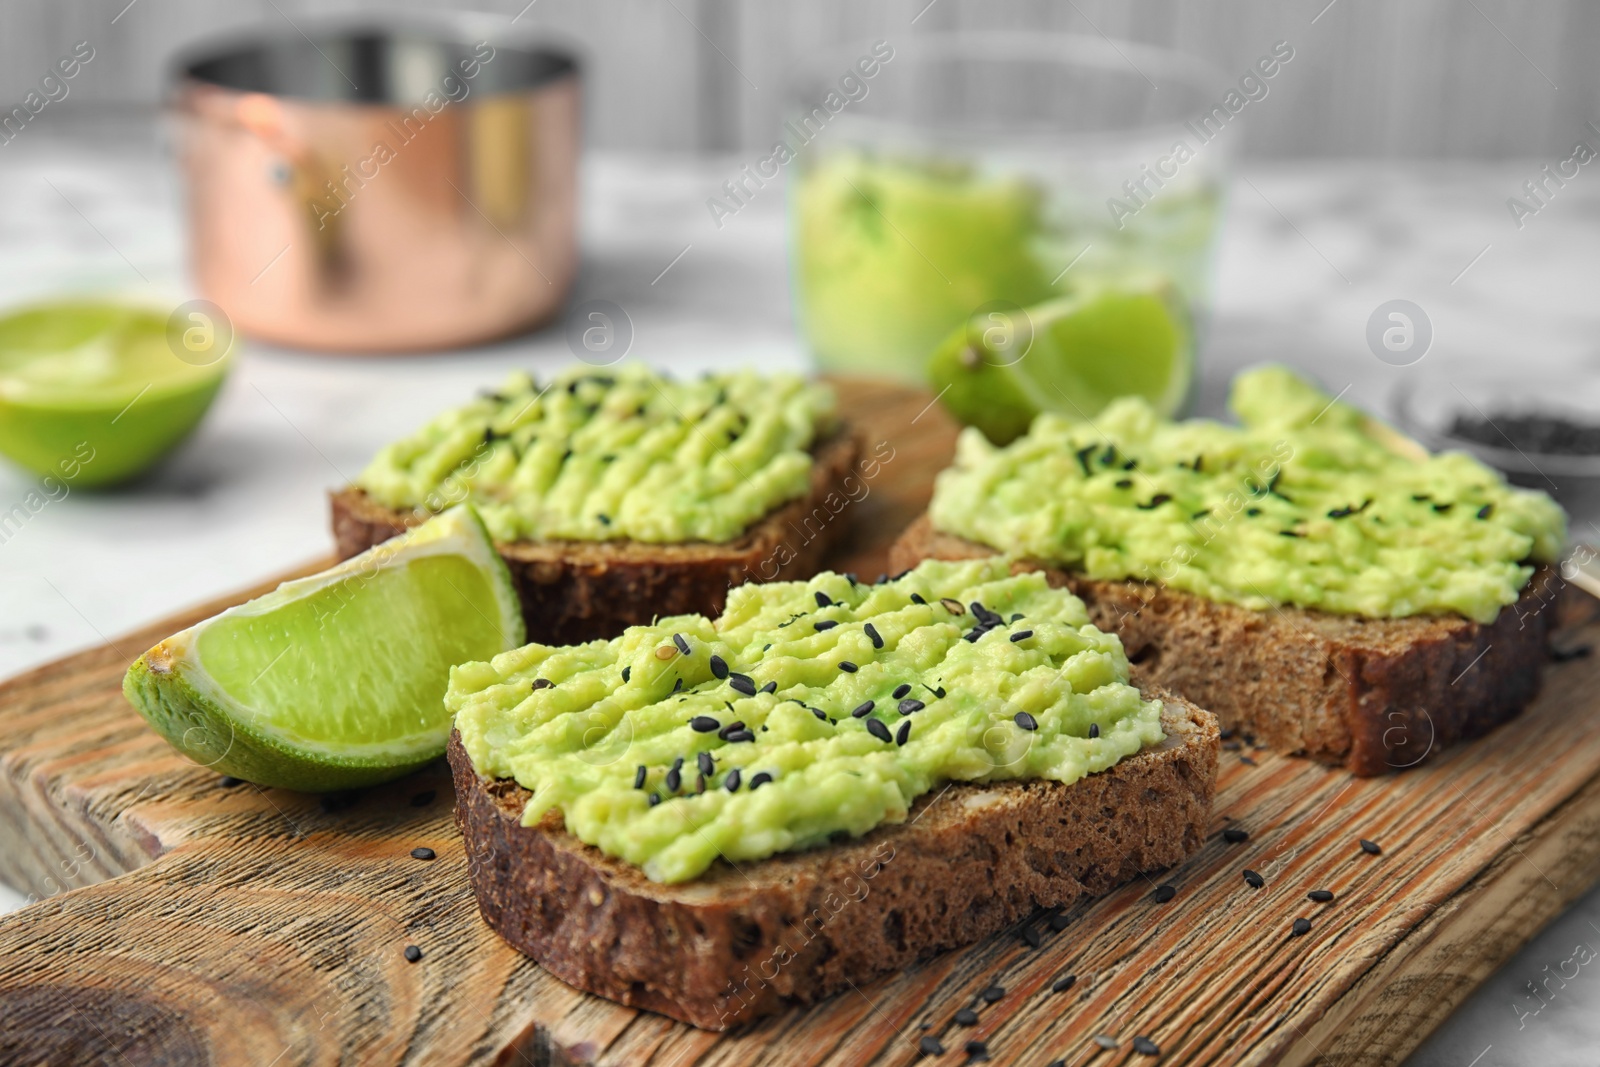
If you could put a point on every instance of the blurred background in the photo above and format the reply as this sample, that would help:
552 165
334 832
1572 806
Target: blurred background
1349 162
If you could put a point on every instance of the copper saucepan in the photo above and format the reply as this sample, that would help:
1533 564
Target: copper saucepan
369 188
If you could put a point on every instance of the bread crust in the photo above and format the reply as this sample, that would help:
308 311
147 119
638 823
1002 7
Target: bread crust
574 591
736 944
1372 695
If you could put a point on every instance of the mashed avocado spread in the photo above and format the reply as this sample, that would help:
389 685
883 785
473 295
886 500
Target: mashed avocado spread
808 709
621 455
1301 504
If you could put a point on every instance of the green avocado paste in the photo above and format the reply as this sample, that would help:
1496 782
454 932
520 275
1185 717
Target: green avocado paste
808 709
627 454
1304 503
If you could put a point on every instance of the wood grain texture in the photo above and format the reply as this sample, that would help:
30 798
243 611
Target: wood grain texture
183 921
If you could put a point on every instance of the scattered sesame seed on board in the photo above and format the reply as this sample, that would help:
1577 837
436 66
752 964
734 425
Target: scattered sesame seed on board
1301 927
1031 936
1254 879
1059 923
993 993
1233 835
1164 893
928 1046
422 853
966 1017
1064 983
977 1051
413 953
1145 1047
1371 847
1321 896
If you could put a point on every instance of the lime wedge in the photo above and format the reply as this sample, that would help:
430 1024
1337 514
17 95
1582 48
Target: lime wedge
336 680
1073 355
93 392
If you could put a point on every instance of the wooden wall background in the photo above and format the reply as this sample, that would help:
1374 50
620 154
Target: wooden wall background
1399 79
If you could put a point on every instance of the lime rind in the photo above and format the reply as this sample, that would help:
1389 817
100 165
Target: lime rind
172 688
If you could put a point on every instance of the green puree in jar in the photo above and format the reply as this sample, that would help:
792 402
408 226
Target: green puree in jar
624 454
1301 504
821 707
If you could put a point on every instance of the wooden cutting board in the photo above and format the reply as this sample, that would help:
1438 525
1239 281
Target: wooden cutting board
182 920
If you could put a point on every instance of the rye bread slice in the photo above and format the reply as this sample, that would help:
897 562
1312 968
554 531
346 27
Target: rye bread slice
734 945
1372 695
575 591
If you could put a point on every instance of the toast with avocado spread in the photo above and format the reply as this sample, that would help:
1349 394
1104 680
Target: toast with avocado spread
616 497
715 818
1313 585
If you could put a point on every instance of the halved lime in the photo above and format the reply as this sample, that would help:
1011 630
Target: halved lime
336 680
93 392
1073 355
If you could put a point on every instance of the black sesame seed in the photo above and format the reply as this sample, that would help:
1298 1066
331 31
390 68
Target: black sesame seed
1252 512
733 727
1056 1063
770 687
1202 513
1059 923
1321 896
966 1017
1255 880
1016 616
1370 847
706 763
1442 508
699 783
543 683
742 683
739 736
413 953
732 781
719 667
1145 1047
911 706
1164 893
1485 511
1061 985
423 799
1233 835
605 520
916 598
930 1046
677 686
900 690
1083 455
825 624
818 713
627 672
1094 729
655 798
1124 483
1021 635
674 777
848 667
1155 502
876 728
639 776
682 643
823 601
1301 927
977 1052
704 724
862 709
423 853
758 780
1031 937
985 616
993 993
1026 721
229 781
873 635
902 735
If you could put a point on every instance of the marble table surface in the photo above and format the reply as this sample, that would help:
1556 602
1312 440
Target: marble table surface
1308 251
